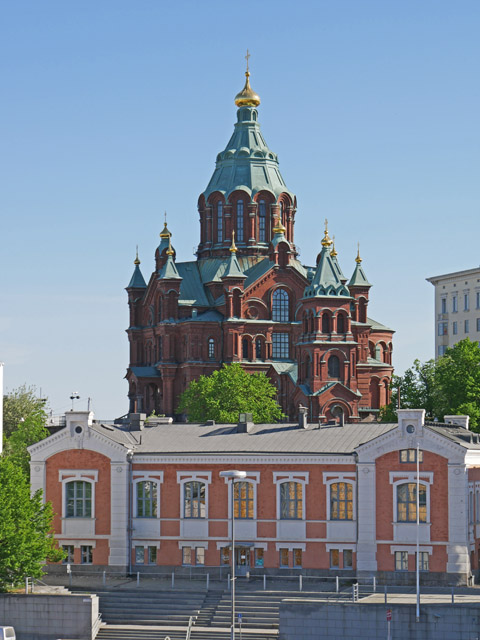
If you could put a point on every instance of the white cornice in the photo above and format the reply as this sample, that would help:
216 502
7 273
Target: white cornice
233 458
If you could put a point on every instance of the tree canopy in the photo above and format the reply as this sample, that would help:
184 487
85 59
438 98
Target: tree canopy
18 405
25 528
227 392
447 386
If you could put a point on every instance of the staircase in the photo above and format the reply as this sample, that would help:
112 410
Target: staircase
110 633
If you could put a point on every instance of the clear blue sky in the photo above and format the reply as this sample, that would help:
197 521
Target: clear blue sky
113 111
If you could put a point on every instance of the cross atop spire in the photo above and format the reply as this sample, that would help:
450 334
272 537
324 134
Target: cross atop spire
136 261
247 58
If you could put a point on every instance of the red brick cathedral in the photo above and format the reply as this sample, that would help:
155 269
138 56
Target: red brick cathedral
248 299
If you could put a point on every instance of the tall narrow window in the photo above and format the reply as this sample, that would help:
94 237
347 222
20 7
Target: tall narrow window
245 349
78 499
466 301
401 560
69 549
444 305
243 503
291 495
146 499
258 349
325 323
211 349
454 303
194 500
262 215
280 306
341 501
340 323
86 554
220 222
280 346
407 502
240 221
333 367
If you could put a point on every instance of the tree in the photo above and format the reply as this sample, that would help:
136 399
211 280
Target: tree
457 382
227 392
25 528
18 405
416 388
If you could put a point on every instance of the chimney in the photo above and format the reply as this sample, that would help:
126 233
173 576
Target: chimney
459 421
137 421
245 423
302 417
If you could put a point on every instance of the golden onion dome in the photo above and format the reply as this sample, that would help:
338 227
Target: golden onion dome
278 228
136 262
247 96
358 259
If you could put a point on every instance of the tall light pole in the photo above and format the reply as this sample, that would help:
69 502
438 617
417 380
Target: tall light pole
232 476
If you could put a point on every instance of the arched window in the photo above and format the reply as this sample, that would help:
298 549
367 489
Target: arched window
258 348
333 367
262 215
211 349
159 310
341 501
282 215
240 221
245 348
340 323
194 500
159 348
243 500
312 323
305 323
220 222
291 498
407 502
146 499
325 323
78 496
280 306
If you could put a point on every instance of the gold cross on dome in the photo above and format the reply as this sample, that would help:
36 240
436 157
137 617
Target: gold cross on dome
326 224
247 57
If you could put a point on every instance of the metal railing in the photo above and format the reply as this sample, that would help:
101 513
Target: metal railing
191 622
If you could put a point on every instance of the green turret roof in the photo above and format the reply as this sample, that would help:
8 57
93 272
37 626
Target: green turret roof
326 279
246 163
359 278
137 280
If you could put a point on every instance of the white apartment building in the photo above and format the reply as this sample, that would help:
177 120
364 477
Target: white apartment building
457 308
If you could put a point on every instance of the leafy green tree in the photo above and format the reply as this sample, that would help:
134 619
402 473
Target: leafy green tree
416 388
25 528
457 382
227 392
18 405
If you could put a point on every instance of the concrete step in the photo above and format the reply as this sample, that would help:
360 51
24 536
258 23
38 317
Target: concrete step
154 633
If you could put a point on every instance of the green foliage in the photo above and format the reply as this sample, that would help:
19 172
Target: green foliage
448 386
226 393
25 528
26 419
18 405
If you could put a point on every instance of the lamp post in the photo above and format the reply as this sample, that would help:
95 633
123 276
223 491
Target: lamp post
232 476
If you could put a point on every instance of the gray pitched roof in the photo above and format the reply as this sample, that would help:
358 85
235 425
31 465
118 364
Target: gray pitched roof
137 280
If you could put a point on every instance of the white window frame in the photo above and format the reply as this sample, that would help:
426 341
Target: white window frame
398 478
279 478
157 478
254 478
330 478
77 475
193 476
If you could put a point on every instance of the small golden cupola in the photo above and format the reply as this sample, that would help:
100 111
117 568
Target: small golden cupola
247 96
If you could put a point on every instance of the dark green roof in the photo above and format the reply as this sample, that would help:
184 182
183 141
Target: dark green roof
326 279
137 280
359 278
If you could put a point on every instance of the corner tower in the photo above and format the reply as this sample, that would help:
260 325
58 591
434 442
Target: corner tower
246 192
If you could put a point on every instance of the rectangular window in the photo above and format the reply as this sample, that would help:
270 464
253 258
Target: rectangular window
441 350
444 305
466 301
240 221
284 557
297 558
200 555
194 505
139 555
225 555
442 328
347 558
401 560
410 455
454 303
478 324
407 502
79 499
146 499
478 300
291 501
186 555
454 328
423 560
152 555
467 326
280 349
262 214
86 554
334 558
259 556
341 501
243 503
69 549
470 507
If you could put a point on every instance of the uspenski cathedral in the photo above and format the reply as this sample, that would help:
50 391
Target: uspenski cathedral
248 299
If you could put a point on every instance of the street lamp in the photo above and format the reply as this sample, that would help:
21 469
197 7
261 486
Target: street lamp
233 475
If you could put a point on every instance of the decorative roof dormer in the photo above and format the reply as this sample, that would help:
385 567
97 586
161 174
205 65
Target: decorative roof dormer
169 270
165 243
326 279
359 279
233 269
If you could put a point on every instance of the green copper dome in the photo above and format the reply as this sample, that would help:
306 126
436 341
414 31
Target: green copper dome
246 163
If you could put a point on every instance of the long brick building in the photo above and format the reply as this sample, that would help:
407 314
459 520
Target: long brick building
322 500
247 298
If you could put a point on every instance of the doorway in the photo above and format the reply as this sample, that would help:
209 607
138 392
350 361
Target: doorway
242 557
